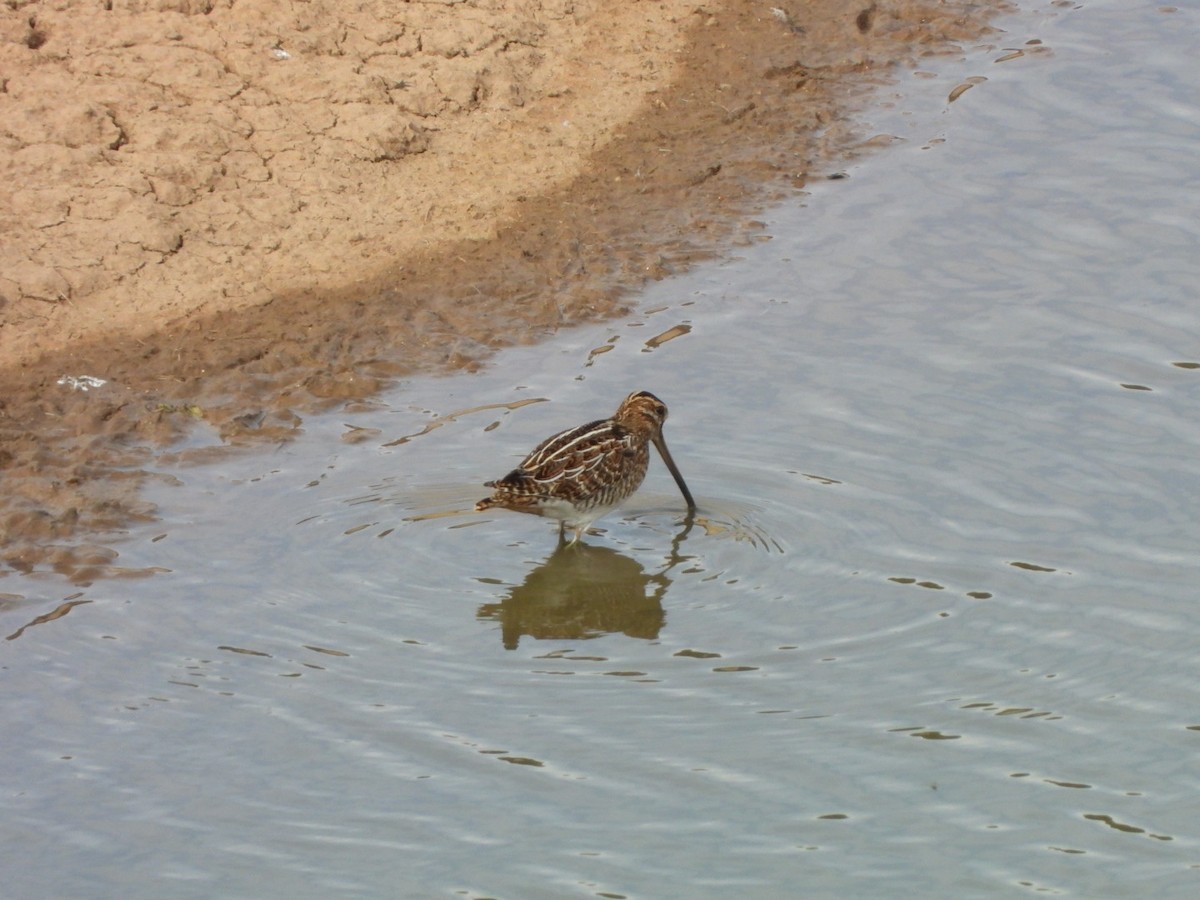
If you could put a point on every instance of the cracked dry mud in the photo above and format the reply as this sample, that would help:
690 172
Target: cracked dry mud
245 211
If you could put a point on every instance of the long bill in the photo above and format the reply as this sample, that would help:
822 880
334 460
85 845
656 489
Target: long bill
661 445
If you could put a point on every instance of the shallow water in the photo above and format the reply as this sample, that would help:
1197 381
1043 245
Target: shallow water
932 634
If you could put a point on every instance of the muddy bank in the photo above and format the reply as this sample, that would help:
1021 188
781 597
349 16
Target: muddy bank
240 215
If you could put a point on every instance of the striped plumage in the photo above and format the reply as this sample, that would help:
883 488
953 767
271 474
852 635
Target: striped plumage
580 474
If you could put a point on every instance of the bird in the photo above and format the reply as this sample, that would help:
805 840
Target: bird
578 475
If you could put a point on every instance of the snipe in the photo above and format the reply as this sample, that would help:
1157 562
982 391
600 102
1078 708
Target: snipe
578 475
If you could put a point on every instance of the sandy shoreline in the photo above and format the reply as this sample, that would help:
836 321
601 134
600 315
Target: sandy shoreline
242 214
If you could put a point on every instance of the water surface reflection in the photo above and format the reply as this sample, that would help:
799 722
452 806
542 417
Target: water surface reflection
582 591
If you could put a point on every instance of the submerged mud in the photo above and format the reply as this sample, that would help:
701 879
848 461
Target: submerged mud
345 230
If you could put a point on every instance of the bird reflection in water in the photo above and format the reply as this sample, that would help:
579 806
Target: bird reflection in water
582 591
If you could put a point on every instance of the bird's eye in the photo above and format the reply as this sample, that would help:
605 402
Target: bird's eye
661 410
